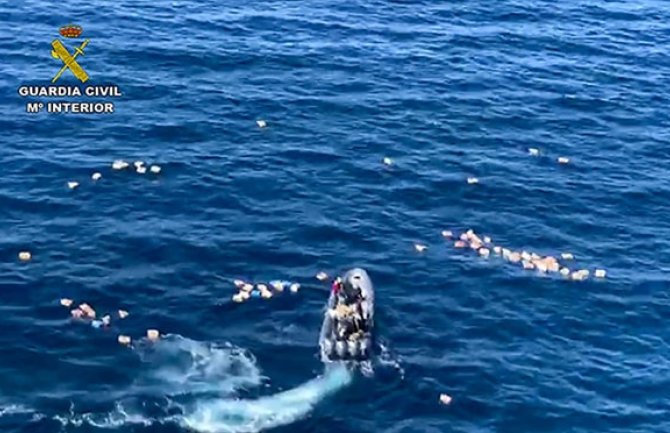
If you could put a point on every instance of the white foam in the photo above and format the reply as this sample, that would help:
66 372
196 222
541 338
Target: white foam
387 359
250 416
14 409
113 419
183 366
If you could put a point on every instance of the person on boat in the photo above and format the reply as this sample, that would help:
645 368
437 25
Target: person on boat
348 310
337 286
349 293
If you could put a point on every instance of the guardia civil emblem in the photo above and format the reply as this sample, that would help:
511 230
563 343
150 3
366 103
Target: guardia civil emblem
59 51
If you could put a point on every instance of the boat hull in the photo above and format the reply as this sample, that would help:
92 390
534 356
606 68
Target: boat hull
334 341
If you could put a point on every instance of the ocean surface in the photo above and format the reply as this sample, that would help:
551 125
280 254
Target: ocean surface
447 90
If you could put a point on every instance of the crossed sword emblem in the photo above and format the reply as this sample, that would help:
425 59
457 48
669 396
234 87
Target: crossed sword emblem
60 52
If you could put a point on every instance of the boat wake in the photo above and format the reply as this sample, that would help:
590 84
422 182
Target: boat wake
198 386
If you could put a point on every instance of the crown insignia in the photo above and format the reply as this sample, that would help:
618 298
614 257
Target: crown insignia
70 31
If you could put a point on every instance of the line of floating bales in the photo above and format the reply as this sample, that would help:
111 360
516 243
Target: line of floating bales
528 260
85 313
485 247
139 167
248 290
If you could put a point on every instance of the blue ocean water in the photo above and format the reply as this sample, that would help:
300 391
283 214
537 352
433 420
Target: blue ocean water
448 90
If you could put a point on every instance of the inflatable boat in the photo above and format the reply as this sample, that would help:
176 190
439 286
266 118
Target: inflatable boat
347 330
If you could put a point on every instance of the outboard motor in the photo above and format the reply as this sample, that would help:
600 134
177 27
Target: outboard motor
364 347
353 348
341 348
